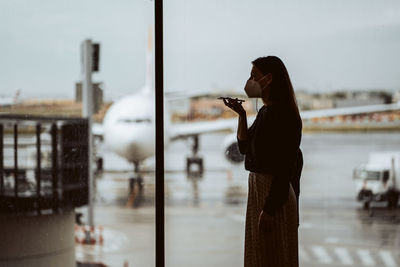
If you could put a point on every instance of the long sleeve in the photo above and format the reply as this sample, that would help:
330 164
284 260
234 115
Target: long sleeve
242 146
270 147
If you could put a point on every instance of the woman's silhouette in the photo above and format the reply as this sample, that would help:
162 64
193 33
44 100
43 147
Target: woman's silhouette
271 149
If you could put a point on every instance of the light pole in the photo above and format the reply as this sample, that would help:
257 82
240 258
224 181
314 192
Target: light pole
90 63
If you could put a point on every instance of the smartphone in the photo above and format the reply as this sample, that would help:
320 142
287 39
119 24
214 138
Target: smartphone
234 99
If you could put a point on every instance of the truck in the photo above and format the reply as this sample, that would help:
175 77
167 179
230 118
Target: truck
378 180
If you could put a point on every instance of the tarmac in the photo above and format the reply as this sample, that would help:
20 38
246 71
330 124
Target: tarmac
205 216
200 236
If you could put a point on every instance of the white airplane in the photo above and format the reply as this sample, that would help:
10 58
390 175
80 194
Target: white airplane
129 125
9 101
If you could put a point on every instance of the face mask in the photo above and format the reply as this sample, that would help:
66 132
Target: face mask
253 88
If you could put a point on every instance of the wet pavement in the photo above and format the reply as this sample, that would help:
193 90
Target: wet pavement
205 216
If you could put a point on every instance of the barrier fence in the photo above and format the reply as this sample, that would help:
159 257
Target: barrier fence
43 163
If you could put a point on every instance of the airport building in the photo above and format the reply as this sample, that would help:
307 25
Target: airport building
97 93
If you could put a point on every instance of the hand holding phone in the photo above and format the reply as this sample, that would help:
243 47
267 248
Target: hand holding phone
235 104
231 99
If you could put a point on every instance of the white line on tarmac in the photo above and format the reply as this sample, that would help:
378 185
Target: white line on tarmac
365 257
303 255
387 258
344 256
321 254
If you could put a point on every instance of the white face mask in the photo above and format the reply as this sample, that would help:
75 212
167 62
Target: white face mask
253 88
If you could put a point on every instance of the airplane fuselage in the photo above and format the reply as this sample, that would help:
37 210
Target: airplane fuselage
129 127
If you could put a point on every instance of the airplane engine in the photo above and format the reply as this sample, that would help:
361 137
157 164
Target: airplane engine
231 149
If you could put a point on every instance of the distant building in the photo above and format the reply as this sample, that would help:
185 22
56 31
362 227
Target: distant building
179 106
98 95
309 101
206 107
340 103
396 97
339 99
304 100
362 98
322 103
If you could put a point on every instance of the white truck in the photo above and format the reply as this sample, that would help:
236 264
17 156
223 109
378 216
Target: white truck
379 178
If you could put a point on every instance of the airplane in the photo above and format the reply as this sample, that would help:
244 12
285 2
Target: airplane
128 127
10 101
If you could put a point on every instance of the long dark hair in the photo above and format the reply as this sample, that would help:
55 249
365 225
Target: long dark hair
282 92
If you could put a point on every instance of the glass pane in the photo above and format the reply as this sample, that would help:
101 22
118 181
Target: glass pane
41 75
335 62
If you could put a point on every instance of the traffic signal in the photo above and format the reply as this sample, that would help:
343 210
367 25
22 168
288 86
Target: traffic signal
95 57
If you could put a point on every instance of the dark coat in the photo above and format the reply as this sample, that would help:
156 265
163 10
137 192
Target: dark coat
272 147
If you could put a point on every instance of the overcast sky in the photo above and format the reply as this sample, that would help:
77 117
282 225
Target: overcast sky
209 44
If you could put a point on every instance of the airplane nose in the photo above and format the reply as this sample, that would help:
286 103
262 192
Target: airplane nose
138 147
132 143
133 146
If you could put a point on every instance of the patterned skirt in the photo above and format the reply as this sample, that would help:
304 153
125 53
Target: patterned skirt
275 248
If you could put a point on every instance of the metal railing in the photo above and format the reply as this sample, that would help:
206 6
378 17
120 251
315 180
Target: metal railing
43 163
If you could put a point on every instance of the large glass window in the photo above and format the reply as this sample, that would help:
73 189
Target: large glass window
342 58
335 61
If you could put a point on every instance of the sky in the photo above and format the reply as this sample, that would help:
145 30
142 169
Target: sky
327 45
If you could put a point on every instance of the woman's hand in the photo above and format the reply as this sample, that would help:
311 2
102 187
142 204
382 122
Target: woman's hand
235 106
265 222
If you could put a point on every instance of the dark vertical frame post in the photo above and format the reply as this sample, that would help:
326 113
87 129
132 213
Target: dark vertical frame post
16 165
54 166
1 160
159 106
38 166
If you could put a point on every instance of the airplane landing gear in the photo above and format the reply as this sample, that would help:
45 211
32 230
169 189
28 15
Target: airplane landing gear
393 199
99 164
136 188
194 159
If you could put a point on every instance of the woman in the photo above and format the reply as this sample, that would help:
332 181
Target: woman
271 149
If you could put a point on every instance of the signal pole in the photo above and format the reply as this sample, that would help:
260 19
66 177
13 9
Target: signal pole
88 63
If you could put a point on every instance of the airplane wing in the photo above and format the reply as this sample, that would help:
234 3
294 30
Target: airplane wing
181 95
182 130
178 95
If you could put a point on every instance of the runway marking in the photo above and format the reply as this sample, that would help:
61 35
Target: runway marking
344 256
303 254
387 258
321 254
365 257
